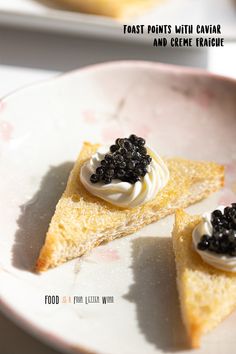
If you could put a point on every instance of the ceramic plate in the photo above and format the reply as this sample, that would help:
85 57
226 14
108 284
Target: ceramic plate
180 112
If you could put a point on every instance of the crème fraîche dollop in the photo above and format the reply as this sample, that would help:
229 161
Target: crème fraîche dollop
122 193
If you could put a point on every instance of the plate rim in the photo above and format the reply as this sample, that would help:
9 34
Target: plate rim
116 64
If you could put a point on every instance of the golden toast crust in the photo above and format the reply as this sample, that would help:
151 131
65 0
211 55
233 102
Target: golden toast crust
82 221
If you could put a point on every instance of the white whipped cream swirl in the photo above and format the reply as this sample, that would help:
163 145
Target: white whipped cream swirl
125 194
223 262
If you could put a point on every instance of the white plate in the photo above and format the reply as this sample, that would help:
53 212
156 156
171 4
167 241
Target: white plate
36 14
181 112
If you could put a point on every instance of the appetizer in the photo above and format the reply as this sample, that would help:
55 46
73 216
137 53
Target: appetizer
205 255
115 191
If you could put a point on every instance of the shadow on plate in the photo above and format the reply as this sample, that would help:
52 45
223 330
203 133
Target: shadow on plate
22 340
36 215
155 295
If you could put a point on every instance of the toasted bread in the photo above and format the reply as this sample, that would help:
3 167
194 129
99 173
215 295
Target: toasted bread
122 9
83 221
207 295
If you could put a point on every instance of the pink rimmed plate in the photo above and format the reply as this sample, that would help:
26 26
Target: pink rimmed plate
179 111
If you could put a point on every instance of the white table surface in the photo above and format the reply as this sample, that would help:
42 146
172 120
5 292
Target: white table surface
30 57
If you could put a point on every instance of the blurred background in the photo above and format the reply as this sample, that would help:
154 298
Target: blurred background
40 39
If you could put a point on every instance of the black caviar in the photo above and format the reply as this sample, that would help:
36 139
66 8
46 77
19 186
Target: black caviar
223 238
127 161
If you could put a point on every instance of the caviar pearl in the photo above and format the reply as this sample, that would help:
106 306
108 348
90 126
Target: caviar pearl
100 171
94 178
113 148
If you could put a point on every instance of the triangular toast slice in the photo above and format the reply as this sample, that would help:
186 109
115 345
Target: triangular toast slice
122 9
207 295
82 221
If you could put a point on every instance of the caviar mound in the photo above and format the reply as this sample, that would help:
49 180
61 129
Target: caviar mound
127 161
223 238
